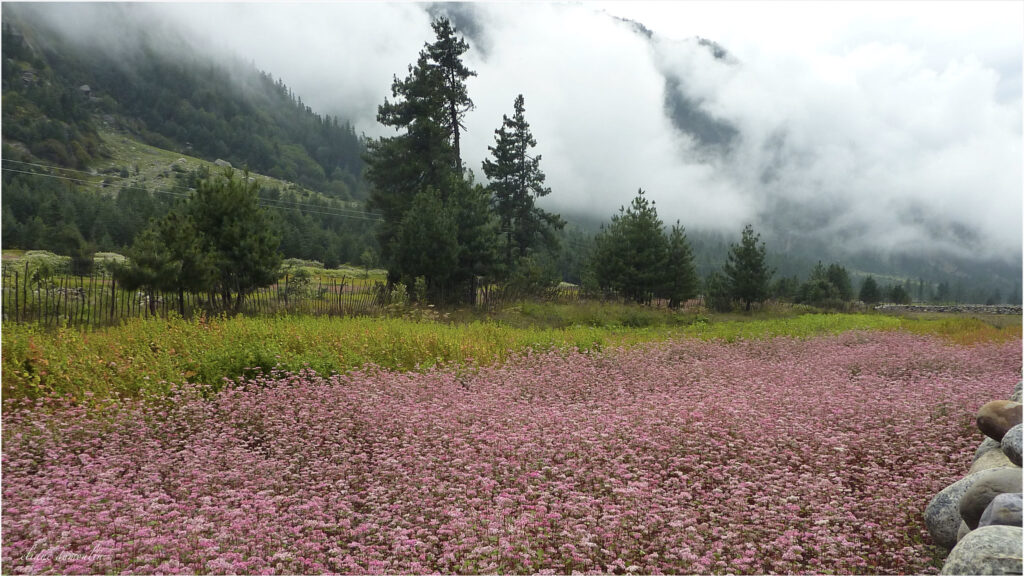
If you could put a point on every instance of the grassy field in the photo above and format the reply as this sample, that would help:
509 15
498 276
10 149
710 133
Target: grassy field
144 357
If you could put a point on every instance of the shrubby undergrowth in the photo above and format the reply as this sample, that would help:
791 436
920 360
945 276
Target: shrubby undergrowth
785 455
143 356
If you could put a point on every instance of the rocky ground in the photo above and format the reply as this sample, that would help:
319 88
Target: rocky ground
952 308
979 516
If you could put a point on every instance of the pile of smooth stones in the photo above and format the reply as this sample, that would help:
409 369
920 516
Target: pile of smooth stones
978 518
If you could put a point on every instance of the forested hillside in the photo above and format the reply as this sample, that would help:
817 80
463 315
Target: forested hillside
68 190
55 92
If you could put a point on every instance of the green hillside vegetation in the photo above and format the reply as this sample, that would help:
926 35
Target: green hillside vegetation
185 103
71 211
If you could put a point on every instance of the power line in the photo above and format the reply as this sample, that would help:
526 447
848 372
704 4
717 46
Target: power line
47 175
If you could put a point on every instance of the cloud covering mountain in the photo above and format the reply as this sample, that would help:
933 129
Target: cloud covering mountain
880 126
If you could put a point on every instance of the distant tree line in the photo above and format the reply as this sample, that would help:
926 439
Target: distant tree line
41 212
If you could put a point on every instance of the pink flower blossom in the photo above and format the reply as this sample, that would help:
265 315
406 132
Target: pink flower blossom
786 456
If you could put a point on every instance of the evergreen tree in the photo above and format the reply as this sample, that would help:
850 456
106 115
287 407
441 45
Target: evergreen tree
427 110
426 244
150 268
477 234
826 287
446 54
631 253
786 288
516 181
682 282
237 233
869 291
717 292
745 269
818 290
196 268
840 278
897 294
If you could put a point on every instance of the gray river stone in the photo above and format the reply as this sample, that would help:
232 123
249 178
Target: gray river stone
964 530
986 446
991 459
981 492
987 550
1011 444
942 515
1004 510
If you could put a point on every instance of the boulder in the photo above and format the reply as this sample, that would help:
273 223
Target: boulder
997 417
1016 392
981 492
962 532
987 445
1004 510
989 460
987 550
1011 444
942 515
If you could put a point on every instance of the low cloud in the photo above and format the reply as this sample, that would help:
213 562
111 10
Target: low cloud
878 130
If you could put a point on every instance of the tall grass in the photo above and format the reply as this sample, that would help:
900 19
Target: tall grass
144 356
966 330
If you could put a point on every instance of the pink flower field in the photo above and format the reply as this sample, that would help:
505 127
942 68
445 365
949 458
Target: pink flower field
784 455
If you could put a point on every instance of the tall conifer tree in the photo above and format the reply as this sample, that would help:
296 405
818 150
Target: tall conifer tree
428 110
745 269
516 181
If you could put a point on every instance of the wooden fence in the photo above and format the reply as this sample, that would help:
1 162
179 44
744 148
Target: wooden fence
99 300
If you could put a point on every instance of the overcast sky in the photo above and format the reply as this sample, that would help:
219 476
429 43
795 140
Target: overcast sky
887 124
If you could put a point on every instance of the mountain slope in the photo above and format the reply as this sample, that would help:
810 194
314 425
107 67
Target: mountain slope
180 101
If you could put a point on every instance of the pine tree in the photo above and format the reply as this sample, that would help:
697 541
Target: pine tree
630 254
426 245
747 272
682 282
477 234
897 294
238 234
196 268
427 110
717 292
150 267
840 278
446 53
869 291
516 181
819 290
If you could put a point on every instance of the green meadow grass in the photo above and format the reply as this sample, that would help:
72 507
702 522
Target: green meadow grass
143 357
